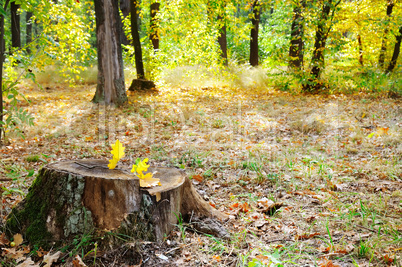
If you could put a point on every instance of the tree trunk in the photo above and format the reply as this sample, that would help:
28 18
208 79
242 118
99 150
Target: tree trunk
154 24
125 10
255 21
320 41
1 70
15 26
28 30
323 27
397 49
383 49
296 39
359 40
125 7
71 198
110 88
222 40
139 66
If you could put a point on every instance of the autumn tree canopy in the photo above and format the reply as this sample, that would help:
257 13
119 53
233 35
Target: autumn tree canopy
310 42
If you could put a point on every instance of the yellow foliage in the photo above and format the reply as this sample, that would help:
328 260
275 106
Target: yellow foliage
117 152
146 180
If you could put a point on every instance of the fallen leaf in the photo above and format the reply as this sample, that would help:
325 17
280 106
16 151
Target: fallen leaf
147 180
217 258
306 236
245 207
3 239
234 205
264 202
50 258
268 206
12 253
387 259
198 178
77 262
18 239
28 263
382 131
328 263
40 252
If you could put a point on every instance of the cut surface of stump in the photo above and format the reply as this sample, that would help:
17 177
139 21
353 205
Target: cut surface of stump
75 197
142 85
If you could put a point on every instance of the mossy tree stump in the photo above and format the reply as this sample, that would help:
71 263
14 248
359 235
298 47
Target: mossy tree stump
71 198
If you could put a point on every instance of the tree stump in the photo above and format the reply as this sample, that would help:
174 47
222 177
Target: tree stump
142 85
75 197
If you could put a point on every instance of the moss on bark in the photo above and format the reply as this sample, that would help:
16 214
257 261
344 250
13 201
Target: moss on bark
54 204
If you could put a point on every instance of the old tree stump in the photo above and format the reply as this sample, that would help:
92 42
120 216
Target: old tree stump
71 198
142 85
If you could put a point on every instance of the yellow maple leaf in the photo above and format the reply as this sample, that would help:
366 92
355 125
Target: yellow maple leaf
117 152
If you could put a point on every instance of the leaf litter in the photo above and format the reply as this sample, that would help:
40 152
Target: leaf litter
304 179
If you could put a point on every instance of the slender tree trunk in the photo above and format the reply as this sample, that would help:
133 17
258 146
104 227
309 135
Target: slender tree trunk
28 24
125 10
320 41
296 39
323 28
359 40
383 49
255 21
1 71
222 40
397 49
110 88
154 35
15 26
139 66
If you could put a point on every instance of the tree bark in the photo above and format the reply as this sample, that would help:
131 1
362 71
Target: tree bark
110 88
72 198
139 66
1 71
154 24
395 54
255 21
15 26
383 50
320 41
125 10
324 25
222 40
296 39
28 24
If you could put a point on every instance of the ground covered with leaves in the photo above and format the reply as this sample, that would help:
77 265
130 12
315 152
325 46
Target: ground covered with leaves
307 180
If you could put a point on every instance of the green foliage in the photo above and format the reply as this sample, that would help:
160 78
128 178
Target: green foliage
15 117
66 38
32 158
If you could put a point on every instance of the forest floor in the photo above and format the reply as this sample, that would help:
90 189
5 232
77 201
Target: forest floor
331 165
